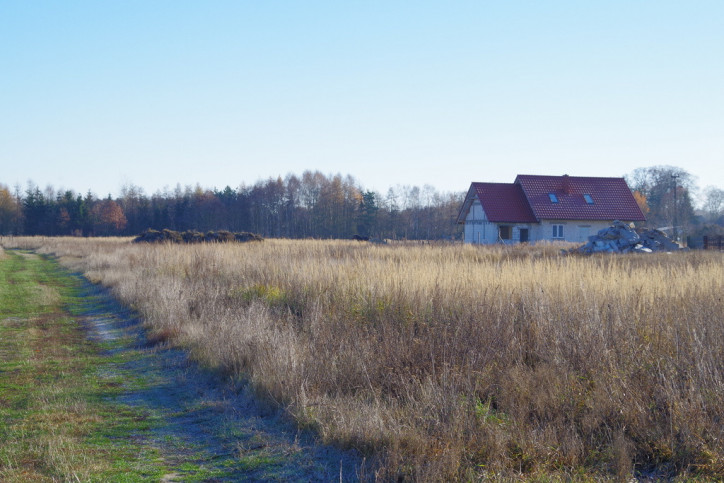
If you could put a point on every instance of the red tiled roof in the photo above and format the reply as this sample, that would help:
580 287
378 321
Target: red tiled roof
504 202
612 198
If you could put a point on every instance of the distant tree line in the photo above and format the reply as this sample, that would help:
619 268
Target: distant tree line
312 205
36 212
315 205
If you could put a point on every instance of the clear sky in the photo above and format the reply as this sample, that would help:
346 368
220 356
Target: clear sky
97 94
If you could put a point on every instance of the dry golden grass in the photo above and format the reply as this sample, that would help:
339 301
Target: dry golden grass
452 362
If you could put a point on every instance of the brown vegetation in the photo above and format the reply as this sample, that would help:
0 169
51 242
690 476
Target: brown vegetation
171 236
450 361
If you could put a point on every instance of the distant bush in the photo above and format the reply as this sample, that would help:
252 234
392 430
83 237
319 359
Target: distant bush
192 236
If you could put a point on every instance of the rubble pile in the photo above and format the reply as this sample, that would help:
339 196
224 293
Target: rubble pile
622 238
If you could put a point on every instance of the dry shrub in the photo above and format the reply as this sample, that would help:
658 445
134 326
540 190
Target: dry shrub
452 362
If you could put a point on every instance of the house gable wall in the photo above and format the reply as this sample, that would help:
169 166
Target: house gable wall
478 229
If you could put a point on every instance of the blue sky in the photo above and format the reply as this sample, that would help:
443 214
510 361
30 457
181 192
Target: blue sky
97 94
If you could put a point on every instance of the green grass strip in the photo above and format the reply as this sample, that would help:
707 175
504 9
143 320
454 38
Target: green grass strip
58 418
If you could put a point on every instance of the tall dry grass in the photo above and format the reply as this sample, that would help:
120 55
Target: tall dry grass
452 362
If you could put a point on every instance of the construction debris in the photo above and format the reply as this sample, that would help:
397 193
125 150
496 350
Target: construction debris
622 238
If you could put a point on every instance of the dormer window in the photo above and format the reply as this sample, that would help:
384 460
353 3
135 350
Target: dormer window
553 197
588 198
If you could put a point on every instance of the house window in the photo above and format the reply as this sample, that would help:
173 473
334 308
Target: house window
553 197
588 198
558 232
504 232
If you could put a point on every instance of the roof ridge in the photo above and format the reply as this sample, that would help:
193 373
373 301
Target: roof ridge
566 175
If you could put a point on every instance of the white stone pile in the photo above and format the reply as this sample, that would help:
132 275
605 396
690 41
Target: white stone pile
622 238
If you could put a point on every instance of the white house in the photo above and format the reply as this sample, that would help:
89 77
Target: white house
555 208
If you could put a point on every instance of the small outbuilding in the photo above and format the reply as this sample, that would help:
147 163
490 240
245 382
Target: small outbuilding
553 208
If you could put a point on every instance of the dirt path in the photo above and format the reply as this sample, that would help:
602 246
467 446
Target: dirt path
205 429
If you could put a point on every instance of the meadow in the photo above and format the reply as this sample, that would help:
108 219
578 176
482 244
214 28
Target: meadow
443 362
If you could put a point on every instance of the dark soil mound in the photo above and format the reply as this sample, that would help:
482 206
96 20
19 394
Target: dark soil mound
170 236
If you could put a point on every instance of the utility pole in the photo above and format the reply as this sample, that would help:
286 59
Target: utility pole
676 208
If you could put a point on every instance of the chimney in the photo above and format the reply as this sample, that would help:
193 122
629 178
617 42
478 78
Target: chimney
566 184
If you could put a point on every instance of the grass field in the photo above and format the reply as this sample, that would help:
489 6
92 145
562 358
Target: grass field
57 418
448 361
85 397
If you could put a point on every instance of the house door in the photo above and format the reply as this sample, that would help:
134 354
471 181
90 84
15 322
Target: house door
583 233
523 235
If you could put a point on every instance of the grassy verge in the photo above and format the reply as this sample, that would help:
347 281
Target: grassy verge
57 416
